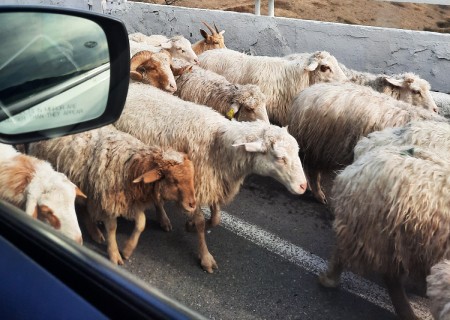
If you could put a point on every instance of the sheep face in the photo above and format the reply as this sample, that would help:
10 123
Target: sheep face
52 200
277 157
249 104
323 67
178 182
180 47
154 69
411 89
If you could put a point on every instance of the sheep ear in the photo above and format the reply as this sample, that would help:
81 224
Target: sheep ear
233 110
136 76
46 214
166 45
203 33
149 177
79 193
312 66
179 71
394 82
256 146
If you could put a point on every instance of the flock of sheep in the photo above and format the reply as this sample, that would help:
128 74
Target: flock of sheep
200 118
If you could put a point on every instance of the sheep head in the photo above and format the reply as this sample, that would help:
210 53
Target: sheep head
323 67
154 69
410 88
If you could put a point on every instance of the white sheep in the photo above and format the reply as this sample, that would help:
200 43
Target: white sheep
438 290
122 177
328 120
407 87
430 134
223 152
235 101
35 187
279 79
392 217
178 46
209 42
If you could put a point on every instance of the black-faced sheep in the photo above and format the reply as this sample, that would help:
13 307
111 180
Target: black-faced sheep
279 79
35 187
122 177
235 101
328 120
392 217
223 152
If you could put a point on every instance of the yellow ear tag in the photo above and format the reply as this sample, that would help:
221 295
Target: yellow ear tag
230 114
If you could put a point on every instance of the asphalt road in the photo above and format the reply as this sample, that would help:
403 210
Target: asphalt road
269 248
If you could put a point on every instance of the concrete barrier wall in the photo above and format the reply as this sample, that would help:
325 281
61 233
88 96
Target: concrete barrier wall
363 48
359 47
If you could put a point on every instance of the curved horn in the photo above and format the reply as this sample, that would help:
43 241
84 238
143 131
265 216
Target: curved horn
209 27
217 30
139 58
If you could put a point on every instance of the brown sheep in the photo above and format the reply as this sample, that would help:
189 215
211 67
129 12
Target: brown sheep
122 176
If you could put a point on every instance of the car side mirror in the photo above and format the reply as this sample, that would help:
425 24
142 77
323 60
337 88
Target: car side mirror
62 71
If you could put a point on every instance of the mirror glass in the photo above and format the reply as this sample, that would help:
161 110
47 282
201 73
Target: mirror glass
54 71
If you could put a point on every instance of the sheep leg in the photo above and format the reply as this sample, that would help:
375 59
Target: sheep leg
206 259
331 277
398 298
139 226
163 219
314 183
113 250
93 229
213 221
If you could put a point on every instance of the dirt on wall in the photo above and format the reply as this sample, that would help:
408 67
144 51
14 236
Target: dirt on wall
364 12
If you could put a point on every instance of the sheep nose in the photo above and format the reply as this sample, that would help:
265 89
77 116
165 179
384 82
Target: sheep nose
192 204
303 187
435 110
196 61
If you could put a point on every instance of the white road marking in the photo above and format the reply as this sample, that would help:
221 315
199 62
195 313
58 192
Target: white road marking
314 264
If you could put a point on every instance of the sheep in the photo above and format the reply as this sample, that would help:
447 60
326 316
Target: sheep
178 46
407 87
429 134
443 102
235 101
155 69
223 152
279 79
392 217
123 177
209 42
438 290
35 187
328 120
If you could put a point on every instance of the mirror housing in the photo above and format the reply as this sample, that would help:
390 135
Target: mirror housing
62 71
